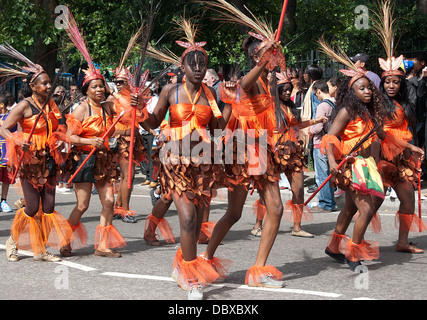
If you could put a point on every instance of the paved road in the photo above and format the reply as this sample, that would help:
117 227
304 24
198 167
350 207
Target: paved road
143 272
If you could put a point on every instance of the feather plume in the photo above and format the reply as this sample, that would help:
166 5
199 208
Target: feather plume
164 55
339 55
7 50
131 44
76 38
383 24
230 13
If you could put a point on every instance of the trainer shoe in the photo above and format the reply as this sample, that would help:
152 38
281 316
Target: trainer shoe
265 280
154 199
5 207
11 250
128 217
47 256
195 292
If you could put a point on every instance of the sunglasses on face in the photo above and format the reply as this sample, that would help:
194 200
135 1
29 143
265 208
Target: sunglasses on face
120 82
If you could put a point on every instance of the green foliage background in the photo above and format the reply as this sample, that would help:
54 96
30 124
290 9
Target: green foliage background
109 24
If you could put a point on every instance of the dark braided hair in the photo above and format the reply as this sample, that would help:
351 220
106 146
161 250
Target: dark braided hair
374 111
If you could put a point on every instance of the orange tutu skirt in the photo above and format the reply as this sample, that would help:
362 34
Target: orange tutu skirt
257 271
108 236
160 227
296 212
409 222
198 270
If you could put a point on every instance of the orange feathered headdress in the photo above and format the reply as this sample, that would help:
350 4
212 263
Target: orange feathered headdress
190 33
13 72
383 23
353 72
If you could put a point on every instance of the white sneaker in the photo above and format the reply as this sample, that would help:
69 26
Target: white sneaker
5 207
195 292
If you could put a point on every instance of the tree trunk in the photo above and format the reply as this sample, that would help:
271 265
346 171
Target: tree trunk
46 55
422 6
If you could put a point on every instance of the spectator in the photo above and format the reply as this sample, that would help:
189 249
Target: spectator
148 136
321 165
5 174
298 92
212 80
361 60
418 82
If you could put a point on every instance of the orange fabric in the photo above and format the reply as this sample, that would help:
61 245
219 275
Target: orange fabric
55 229
199 269
409 222
290 132
108 236
43 129
366 250
123 103
207 228
56 148
90 127
184 118
336 145
255 272
354 132
259 210
296 212
79 239
26 233
335 240
398 134
220 265
252 113
162 225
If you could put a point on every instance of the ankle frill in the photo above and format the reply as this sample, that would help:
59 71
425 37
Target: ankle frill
80 236
198 269
255 272
55 229
26 232
366 250
296 212
259 210
160 228
336 242
219 264
108 237
409 222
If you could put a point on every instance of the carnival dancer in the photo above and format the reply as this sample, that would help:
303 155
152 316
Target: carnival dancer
398 168
360 113
253 117
188 173
291 159
35 152
86 126
121 142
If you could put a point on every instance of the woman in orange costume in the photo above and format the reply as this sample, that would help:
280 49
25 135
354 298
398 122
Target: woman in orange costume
86 125
293 164
188 174
38 224
359 109
122 135
398 166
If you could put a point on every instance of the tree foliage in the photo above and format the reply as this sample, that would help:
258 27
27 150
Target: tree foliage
108 25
